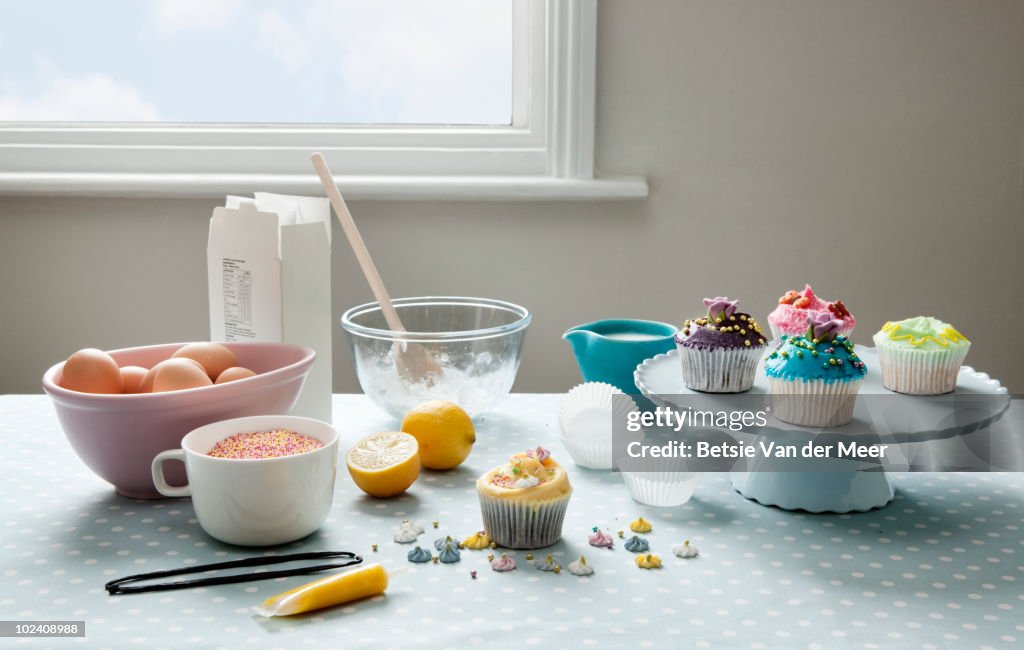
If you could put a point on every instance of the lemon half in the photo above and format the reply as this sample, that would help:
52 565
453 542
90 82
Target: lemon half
384 464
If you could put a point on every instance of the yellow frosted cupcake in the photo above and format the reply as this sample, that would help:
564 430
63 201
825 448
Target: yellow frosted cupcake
523 502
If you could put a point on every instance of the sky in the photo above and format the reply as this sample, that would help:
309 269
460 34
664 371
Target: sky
265 61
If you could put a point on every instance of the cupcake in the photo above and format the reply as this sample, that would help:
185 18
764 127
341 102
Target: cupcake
814 378
920 356
720 351
523 501
790 317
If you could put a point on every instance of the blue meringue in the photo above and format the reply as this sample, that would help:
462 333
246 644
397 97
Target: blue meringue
450 553
419 555
636 544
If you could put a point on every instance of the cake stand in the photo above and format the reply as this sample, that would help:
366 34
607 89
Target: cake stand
839 487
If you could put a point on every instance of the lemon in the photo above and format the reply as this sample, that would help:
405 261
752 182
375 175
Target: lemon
444 431
384 464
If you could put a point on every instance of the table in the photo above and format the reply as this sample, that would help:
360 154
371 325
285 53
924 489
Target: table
942 566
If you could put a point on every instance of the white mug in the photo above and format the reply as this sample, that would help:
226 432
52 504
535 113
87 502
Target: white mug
256 502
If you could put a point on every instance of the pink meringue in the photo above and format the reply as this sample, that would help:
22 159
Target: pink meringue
601 539
504 563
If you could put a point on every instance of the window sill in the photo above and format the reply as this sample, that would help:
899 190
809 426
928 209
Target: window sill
378 188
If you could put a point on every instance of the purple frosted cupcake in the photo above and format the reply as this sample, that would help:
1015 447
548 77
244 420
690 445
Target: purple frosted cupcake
720 351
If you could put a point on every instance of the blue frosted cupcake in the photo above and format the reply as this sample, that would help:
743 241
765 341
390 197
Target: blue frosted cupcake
814 378
720 351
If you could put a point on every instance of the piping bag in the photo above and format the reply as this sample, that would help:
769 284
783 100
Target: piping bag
332 590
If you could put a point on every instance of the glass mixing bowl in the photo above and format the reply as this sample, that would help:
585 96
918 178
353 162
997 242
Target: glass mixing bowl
475 341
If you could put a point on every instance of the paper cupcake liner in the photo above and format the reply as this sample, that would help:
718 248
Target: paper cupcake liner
523 524
719 370
586 418
814 403
777 332
592 394
592 455
920 372
662 489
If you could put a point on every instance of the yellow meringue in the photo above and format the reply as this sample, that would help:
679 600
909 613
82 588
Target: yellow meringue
648 561
476 541
641 525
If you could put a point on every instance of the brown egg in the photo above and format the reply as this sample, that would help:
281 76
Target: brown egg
213 356
178 374
91 371
233 374
147 382
132 377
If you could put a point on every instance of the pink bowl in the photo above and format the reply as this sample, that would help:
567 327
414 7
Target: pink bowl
117 436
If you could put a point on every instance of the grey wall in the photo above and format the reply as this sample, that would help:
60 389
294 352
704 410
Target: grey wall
872 148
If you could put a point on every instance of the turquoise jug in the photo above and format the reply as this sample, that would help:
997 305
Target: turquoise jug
610 350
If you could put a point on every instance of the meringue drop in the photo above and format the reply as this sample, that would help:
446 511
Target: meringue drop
580 567
686 550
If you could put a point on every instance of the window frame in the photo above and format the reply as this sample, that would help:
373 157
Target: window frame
547 152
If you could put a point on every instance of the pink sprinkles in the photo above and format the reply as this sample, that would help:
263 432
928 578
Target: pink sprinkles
264 444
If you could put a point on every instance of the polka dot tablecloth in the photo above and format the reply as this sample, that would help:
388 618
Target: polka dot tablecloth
940 567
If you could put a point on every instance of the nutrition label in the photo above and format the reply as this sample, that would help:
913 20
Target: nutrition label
237 284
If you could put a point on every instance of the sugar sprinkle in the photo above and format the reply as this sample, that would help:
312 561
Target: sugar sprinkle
264 444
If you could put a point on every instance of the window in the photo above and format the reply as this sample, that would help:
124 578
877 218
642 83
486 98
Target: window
406 99
267 61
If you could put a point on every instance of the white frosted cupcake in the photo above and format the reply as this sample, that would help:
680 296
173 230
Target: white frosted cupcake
720 351
523 502
920 356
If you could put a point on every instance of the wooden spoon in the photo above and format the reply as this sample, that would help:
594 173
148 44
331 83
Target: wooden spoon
414 362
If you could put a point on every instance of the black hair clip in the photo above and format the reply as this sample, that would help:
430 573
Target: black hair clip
115 587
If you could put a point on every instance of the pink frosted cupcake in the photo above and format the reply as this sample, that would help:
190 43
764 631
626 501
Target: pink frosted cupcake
790 317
